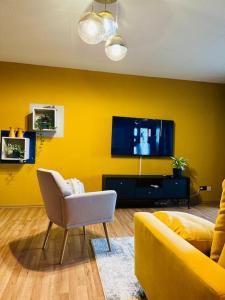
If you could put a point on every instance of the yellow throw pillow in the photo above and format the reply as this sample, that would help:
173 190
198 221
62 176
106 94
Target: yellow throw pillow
219 231
197 231
222 258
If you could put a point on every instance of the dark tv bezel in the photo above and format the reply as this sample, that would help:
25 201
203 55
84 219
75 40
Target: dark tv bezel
143 156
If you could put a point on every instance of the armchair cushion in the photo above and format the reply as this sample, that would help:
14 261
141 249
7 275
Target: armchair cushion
76 185
219 231
197 231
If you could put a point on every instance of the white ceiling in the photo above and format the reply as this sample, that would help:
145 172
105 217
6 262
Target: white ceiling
182 39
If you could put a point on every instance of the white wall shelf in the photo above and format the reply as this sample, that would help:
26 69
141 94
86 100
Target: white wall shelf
56 114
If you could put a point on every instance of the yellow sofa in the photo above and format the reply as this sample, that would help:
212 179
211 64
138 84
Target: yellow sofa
170 268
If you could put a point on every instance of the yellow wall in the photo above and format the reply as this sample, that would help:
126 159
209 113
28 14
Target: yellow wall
90 100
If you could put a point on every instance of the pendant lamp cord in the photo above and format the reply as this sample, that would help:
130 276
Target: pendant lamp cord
117 12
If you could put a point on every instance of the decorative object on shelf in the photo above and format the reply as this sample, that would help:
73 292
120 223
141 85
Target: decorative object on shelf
94 28
179 164
43 119
15 148
18 149
14 151
20 133
12 132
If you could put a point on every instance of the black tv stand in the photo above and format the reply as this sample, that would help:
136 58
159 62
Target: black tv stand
145 190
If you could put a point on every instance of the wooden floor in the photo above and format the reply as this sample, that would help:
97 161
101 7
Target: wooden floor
26 272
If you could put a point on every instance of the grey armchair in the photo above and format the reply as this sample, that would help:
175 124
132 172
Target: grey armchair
70 210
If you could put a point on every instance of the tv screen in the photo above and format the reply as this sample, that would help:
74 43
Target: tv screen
142 137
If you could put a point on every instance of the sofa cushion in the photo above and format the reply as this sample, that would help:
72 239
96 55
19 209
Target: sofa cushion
219 231
197 231
222 258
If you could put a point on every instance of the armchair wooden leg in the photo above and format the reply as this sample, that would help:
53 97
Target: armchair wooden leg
107 236
84 230
64 245
47 235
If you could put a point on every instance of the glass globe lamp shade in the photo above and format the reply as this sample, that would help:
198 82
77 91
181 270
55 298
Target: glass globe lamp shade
90 28
109 24
115 48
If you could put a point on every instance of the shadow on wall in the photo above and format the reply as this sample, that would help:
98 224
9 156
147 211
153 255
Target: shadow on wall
194 186
28 251
10 171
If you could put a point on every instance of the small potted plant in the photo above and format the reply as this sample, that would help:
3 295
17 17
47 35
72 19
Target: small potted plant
14 151
43 123
179 164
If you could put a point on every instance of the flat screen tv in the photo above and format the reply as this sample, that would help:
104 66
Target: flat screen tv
142 137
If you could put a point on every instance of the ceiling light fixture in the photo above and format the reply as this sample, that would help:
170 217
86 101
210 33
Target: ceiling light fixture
115 48
90 28
94 28
109 24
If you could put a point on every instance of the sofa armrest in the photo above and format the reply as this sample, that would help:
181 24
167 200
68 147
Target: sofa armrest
168 267
89 208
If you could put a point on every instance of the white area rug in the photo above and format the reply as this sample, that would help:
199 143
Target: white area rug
116 269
